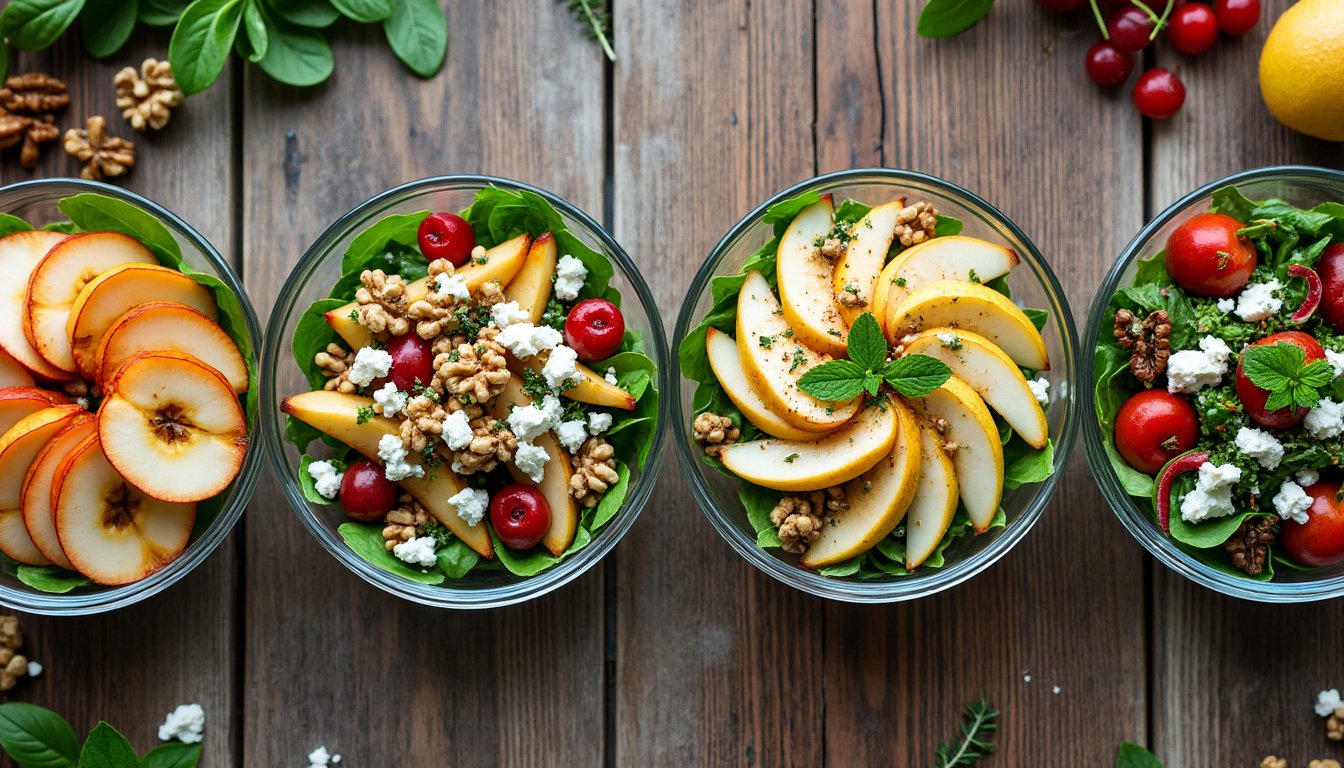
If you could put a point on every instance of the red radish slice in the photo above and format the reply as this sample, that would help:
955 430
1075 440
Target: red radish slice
1313 300
1186 462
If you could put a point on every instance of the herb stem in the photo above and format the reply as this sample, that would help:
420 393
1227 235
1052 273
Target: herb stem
585 7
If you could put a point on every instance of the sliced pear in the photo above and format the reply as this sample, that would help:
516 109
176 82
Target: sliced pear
971 440
554 485
797 465
955 257
39 516
337 415
805 276
12 374
935 502
20 253
722 352
531 287
18 447
856 273
773 361
992 374
975 308
878 499
591 388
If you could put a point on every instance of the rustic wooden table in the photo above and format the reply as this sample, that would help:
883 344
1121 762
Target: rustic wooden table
675 652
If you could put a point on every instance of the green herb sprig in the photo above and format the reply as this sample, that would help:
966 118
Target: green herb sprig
1283 370
36 737
594 15
979 720
867 368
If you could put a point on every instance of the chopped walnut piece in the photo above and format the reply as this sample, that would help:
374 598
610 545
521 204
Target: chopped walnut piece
434 313
146 99
1273 762
1148 342
492 444
42 131
104 156
13 129
798 519
916 223
382 302
472 373
406 521
11 633
423 424
490 293
849 296
1249 546
34 93
335 362
832 247
713 432
594 472
13 665
1323 764
1334 725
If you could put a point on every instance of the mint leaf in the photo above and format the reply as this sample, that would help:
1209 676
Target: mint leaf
837 380
107 748
871 383
867 345
1283 371
948 18
916 375
36 737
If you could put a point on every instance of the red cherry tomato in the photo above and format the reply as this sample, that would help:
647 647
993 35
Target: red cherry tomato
1237 17
1159 94
1108 65
1253 398
446 236
1320 540
520 515
366 493
1193 29
595 329
1331 271
1206 258
1130 28
1154 427
412 363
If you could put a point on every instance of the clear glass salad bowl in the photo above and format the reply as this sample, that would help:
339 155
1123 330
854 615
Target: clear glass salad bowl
1033 284
312 279
1299 185
36 202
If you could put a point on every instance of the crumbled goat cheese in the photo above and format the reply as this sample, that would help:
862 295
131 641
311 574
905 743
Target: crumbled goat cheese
1326 420
393 454
571 434
569 276
452 285
948 339
611 376
326 479
369 364
391 399
186 724
471 504
34 669
1257 302
1212 496
1307 478
1191 370
531 460
1261 446
1227 305
525 339
82 402
1040 389
598 423
1336 360
1327 702
529 422
1291 502
416 551
457 432
509 313
321 758
560 370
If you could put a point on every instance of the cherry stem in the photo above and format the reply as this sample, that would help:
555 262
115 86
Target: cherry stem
1161 22
1096 12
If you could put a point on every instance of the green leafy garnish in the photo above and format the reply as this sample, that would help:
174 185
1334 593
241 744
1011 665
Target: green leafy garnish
594 15
1283 370
867 367
1131 755
979 720
949 18
36 737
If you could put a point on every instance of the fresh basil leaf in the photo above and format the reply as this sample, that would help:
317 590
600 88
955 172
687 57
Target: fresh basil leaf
36 737
161 13
916 375
296 56
31 25
315 14
201 42
106 25
456 559
366 540
948 18
254 29
51 579
94 213
837 380
172 755
107 748
867 345
1133 756
364 11
9 224
417 30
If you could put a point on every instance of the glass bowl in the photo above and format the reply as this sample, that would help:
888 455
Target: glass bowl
312 279
1300 185
1033 284
36 201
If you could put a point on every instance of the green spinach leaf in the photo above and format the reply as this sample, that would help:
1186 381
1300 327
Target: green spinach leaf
201 42
106 25
9 224
107 748
51 579
366 540
948 18
295 55
36 737
417 30
31 25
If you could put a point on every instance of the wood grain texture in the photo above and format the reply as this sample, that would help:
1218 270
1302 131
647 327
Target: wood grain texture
331 659
134 666
1220 662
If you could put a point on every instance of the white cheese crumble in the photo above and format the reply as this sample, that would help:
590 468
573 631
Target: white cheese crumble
509 313
1327 702
611 376
82 402
1307 478
1257 302
1326 420
529 422
598 423
418 550
1191 370
1291 502
452 285
471 504
393 454
34 669
561 370
1040 389
326 479
391 400
948 339
571 434
531 460
1212 496
321 758
186 724
369 364
569 276
1261 446
457 432
1227 305
1336 360
525 339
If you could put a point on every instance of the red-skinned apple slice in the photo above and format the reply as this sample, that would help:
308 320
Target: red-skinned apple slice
12 374
1313 300
170 327
110 530
19 402
18 448
20 253
173 427
35 503
1186 462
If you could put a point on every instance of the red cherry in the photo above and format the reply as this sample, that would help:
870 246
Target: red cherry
1061 6
446 236
1253 398
1130 29
1193 29
1320 540
1107 65
1207 258
1154 427
1237 17
520 515
1331 270
1159 93
412 363
366 493
595 328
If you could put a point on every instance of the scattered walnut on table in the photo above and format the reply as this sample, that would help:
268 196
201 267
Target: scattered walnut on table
713 432
1148 342
34 93
492 444
104 156
1334 725
146 98
13 665
798 519
1323 764
594 472
406 521
382 302
1273 762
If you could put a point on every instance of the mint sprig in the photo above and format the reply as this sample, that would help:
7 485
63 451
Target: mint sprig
1283 371
867 368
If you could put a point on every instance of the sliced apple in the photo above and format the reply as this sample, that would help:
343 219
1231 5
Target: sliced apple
975 308
173 427
12 374
856 273
935 503
18 447
16 403
501 263
20 254
35 504
337 415
591 387
878 499
722 352
111 531
773 361
554 484
955 257
971 440
170 327
531 287
992 374
805 276
112 293
798 465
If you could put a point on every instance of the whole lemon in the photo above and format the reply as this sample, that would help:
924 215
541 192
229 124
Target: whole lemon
1302 69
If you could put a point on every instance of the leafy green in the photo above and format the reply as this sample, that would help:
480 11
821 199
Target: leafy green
417 31
36 737
366 540
916 375
1131 755
172 755
1024 464
595 17
106 25
314 14
312 334
949 18
364 11
51 579
92 212
1282 369
31 25
456 559
201 41
295 55
837 380
867 345
758 502
161 13
536 560
107 748
9 224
